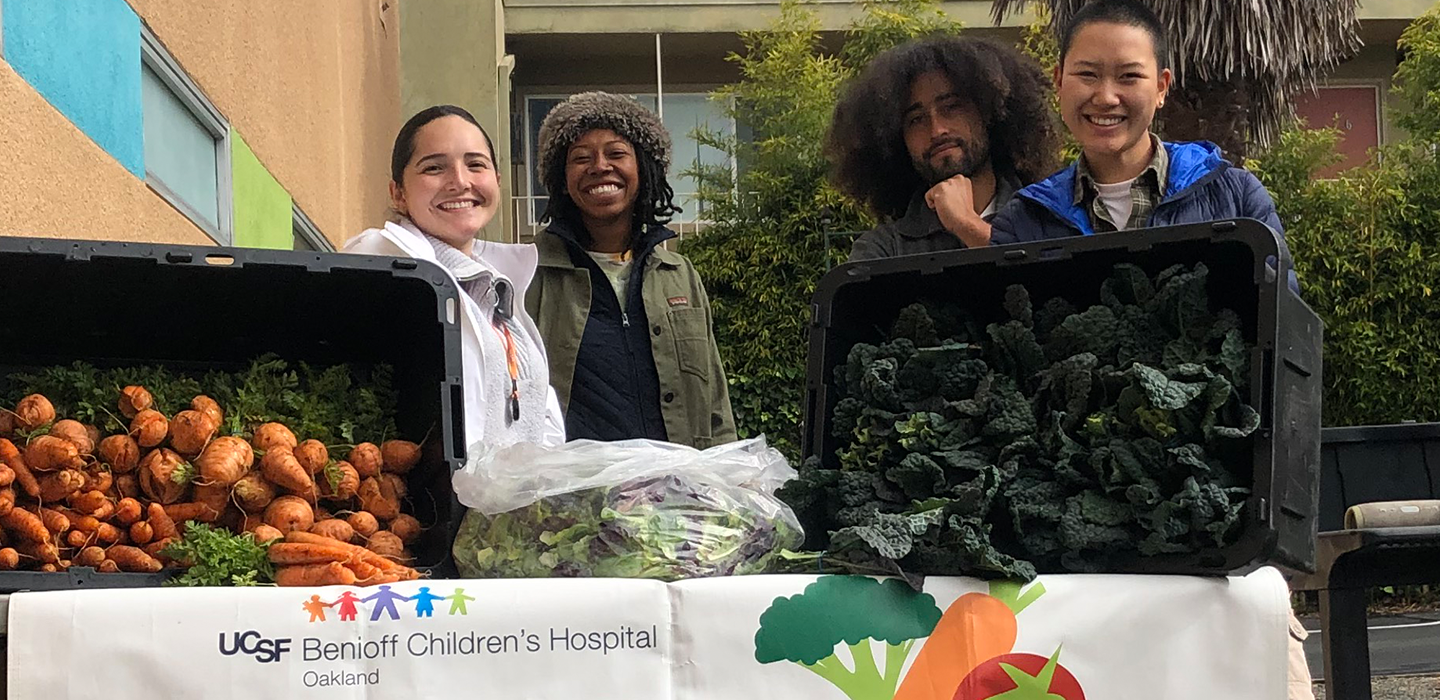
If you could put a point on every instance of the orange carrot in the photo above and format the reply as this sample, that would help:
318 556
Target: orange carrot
48 453
339 481
334 528
108 567
387 545
252 492
225 461
975 628
128 511
141 532
149 427
361 553
207 406
75 433
282 469
128 486
57 486
35 411
373 497
165 476
133 400
7 475
12 458
88 502
190 431
265 533
367 459
76 538
200 512
133 559
98 477
363 523
288 513
406 527
9 559
160 521
330 574
399 456
121 452
271 435
55 521
365 573
312 455
39 551
90 556
289 553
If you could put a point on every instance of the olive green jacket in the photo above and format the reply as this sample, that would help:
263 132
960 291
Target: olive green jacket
695 399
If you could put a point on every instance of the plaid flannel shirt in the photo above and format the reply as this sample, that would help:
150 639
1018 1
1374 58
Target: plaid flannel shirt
1145 193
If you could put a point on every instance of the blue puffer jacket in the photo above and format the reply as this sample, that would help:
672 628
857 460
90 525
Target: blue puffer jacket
1201 186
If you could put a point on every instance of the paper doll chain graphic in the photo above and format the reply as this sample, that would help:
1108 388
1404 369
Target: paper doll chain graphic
383 603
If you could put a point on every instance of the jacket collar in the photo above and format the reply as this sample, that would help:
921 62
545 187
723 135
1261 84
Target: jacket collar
559 246
512 261
1191 165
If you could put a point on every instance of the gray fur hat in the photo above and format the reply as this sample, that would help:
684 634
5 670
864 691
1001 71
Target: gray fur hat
588 111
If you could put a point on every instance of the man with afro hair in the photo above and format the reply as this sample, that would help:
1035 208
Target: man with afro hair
935 136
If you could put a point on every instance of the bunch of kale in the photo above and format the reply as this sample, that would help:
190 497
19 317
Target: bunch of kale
1060 439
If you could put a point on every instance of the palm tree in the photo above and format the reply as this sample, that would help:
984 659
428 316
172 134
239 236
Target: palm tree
1237 63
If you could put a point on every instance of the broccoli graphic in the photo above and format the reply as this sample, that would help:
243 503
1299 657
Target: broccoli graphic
808 628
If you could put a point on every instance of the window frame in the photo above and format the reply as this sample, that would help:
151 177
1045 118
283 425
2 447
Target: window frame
306 230
155 57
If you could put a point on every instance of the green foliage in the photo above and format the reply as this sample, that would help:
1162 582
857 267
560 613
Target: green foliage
1367 249
218 557
765 250
666 528
333 405
808 628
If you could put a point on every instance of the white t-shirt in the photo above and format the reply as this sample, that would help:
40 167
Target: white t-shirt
616 267
1117 201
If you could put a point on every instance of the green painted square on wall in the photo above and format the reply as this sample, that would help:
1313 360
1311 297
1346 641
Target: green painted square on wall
262 207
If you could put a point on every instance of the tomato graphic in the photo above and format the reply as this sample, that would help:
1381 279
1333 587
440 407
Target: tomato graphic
1020 677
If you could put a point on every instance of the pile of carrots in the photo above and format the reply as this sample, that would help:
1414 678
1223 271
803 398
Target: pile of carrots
69 497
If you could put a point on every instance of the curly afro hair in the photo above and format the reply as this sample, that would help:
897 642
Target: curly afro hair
866 144
585 112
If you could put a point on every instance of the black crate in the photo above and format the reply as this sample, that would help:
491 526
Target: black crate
201 308
857 302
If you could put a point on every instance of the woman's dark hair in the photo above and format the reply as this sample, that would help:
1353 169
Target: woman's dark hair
404 148
866 143
654 204
1130 13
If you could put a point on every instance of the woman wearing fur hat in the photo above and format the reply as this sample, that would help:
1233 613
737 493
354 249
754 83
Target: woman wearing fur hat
626 322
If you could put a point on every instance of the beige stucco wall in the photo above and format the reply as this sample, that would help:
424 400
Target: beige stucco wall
672 16
453 52
312 87
57 183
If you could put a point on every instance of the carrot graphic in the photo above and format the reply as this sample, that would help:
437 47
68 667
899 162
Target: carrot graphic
976 628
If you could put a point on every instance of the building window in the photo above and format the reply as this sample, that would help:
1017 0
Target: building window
307 235
1355 110
684 114
187 150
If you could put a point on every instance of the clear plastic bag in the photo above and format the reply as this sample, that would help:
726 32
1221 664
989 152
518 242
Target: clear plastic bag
628 509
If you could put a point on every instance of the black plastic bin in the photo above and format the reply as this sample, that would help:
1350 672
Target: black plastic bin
202 308
857 302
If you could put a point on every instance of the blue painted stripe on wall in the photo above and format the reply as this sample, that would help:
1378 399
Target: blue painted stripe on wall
83 56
